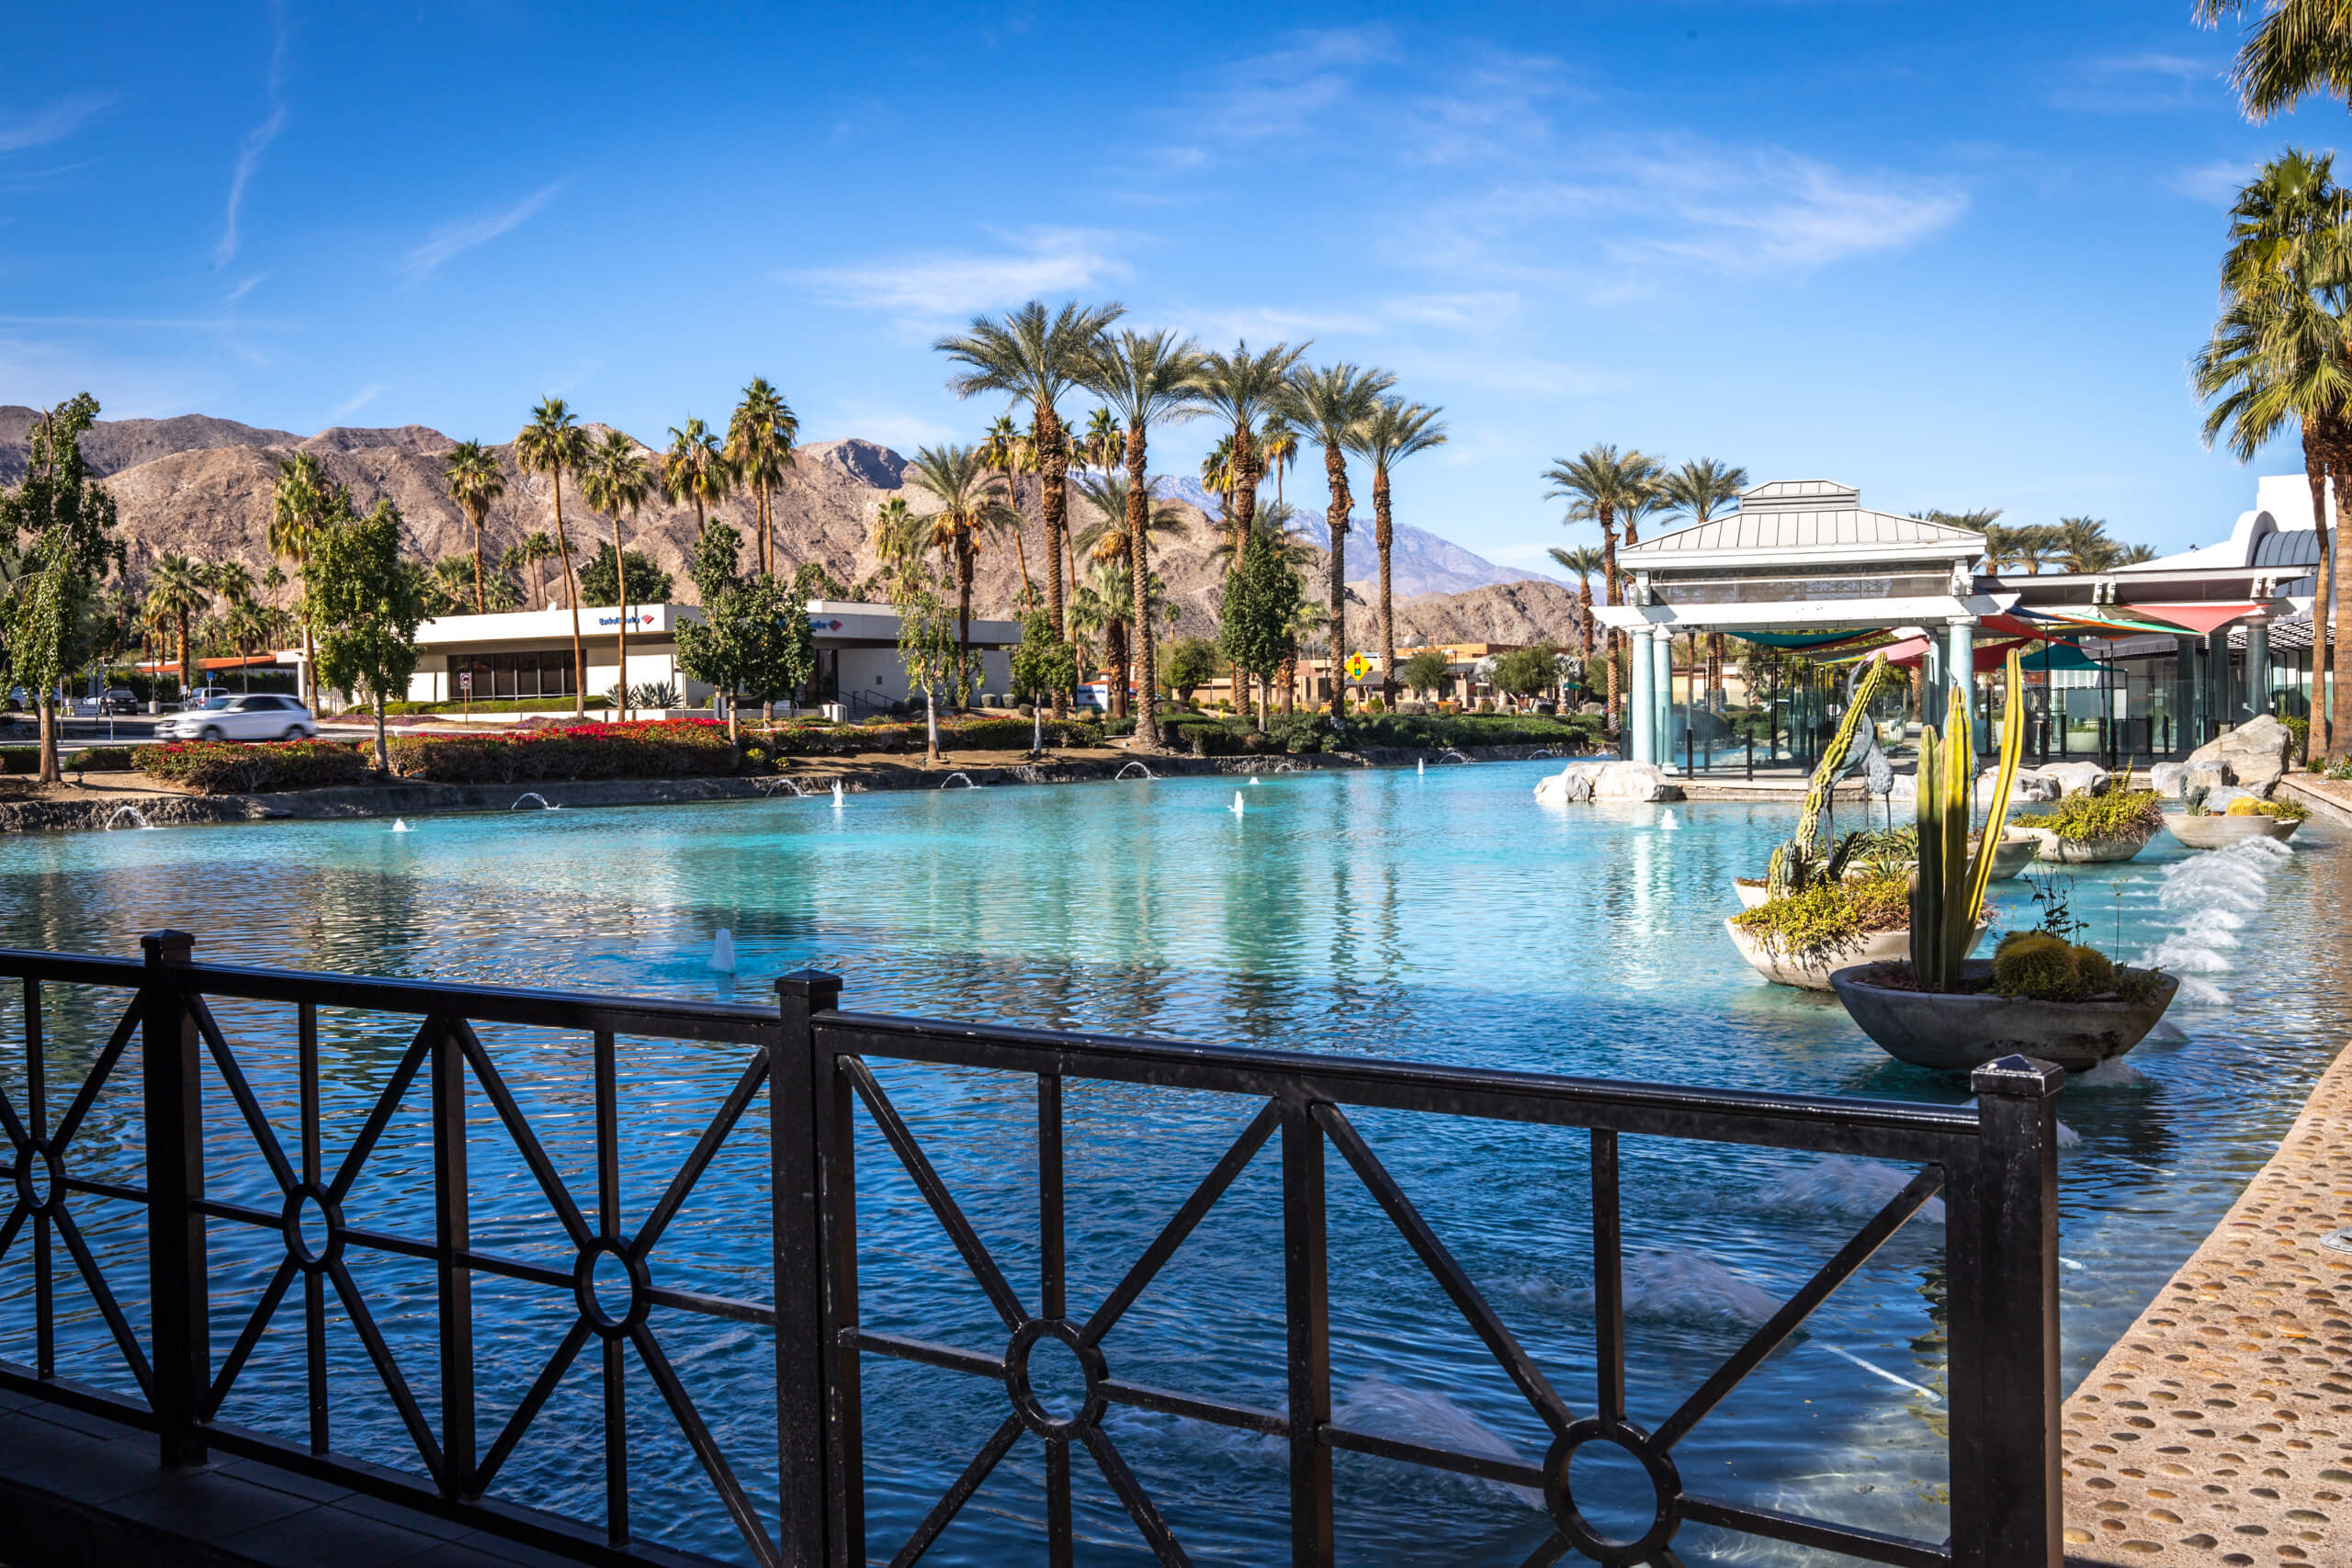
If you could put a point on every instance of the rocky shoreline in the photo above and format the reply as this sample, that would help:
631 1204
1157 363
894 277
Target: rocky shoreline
415 799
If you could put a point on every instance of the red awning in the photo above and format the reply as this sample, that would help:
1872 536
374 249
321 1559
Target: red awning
2199 618
1907 651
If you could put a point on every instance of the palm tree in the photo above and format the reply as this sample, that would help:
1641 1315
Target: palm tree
1107 540
694 468
1584 560
1333 404
1278 443
2300 47
301 501
1145 378
1101 604
616 481
1693 492
759 445
2083 544
1008 453
960 477
1034 355
1103 449
554 444
535 548
178 589
1605 486
1244 390
1395 431
474 482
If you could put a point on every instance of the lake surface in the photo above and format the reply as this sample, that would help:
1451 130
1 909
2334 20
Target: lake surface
1443 917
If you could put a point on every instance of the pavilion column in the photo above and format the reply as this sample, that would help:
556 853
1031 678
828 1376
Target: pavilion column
1645 711
2257 665
1960 660
1662 692
2187 691
2224 694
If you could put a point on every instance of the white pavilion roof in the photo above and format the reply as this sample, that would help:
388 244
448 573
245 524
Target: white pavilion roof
1802 522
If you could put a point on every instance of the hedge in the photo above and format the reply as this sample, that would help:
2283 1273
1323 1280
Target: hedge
227 767
101 760
1307 732
492 705
661 749
958 734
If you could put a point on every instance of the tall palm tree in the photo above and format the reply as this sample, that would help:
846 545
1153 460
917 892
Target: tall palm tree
1395 431
178 590
529 554
616 481
1605 486
1584 560
696 469
2083 545
1034 355
1100 606
1145 378
1243 389
959 478
759 443
474 482
1008 453
1107 540
301 501
554 444
1695 491
2300 47
1333 404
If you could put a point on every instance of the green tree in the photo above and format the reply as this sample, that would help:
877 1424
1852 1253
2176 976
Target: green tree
59 525
530 553
369 604
1245 390
760 437
302 500
1426 672
1045 668
811 581
1188 663
1395 430
1694 492
1525 671
554 444
1584 560
1034 355
1146 379
1605 487
1334 404
753 640
958 478
648 583
177 592
696 469
474 482
1008 453
616 482
927 645
2299 47
1262 596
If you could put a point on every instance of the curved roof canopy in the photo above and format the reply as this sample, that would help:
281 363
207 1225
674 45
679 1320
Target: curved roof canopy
1802 523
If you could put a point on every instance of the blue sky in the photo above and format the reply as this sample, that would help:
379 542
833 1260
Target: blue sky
1955 255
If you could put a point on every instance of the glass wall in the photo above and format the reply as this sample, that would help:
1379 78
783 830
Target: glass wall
545 673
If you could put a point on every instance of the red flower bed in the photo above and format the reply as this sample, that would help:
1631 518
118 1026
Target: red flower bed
659 749
228 767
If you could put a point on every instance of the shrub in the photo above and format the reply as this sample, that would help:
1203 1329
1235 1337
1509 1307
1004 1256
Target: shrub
678 748
102 760
1002 733
1830 917
228 767
20 760
500 704
2301 728
2117 814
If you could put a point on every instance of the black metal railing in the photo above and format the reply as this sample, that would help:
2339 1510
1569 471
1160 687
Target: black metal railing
808 1061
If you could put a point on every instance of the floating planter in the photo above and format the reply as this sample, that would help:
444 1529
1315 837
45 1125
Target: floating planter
2042 995
2245 818
2091 829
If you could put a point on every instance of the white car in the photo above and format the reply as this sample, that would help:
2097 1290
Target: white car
260 715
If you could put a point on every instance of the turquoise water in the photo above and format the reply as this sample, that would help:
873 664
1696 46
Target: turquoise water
1443 917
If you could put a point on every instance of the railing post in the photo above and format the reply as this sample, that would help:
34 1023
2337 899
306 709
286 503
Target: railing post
171 1058
453 1234
2003 1269
1306 1276
821 1501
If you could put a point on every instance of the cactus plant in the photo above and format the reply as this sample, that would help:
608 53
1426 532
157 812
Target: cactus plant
1797 862
1949 893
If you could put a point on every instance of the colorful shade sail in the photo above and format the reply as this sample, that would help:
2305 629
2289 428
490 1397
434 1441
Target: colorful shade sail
2199 618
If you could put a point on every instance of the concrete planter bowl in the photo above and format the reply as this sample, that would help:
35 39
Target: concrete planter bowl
2017 850
2049 846
1781 969
1957 1032
2218 832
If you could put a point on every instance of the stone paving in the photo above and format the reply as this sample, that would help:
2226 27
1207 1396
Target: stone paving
2218 1428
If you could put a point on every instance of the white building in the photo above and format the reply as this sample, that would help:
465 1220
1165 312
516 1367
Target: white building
528 653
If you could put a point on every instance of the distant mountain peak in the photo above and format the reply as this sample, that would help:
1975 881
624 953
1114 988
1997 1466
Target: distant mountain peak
1419 562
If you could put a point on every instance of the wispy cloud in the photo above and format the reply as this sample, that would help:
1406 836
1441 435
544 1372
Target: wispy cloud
357 400
2216 180
939 285
256 141
454 239
53 123
2136 83
244 289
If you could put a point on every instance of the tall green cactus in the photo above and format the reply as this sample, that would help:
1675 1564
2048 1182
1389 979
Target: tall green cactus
1947 892
1793 864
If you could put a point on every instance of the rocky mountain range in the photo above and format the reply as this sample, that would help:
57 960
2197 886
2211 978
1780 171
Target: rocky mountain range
200 486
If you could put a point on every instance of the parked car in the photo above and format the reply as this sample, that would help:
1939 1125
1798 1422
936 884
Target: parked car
261 716
199 696
119 699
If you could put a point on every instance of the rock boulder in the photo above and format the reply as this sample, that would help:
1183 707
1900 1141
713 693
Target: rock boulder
2075 778
1606 781
2253 756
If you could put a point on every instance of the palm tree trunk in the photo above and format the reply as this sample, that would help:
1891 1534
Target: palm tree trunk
1382 533
1115 651
1020 554
1335 471
1139 566
571 596
2332 709
188 665
383 753
1053 504
964 558
480 607
620 591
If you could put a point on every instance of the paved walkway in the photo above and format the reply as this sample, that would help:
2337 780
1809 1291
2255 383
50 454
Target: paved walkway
2218 1428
